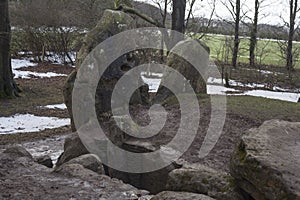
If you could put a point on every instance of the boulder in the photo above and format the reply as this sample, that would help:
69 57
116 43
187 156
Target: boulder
266 162
88 161
18 151
22 178
194 50
155 181
111 23
168 195
203 180
45 160
73 148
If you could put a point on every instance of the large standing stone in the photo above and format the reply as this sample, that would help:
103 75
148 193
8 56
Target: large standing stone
203 180
266 162
198 52
112 23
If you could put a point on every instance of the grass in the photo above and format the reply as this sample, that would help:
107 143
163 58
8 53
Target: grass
267 51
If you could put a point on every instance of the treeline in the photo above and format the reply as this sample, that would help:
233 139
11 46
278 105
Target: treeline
204 25
45 27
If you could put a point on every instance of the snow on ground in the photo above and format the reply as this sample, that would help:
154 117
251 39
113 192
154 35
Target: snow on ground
29 123
29 74
19 63
215 87
56 106
152 82
52 147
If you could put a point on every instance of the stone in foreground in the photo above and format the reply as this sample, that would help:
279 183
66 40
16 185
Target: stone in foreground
168 195
203 180
266 162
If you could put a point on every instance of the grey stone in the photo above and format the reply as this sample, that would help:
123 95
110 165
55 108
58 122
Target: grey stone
22 178
73 148
112 23
155 181
199 54
45 160
203 180
266 162
18 151
89 161
168 195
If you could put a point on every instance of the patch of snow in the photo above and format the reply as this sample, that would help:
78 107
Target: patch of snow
19 63
153 83
215 87
56 106
154 74
29 123
52 147
29 74
283 96
221 90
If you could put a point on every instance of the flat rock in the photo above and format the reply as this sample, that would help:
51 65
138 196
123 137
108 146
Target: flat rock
88 161
266 162
168 195
22 178
18 151
203 180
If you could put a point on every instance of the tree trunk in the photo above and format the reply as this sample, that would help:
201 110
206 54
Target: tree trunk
289 50
253 34
8 87
178 15
236 34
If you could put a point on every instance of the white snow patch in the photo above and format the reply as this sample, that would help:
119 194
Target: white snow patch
152 82
283 96
56 106
215 87
19 63
29 123
29 74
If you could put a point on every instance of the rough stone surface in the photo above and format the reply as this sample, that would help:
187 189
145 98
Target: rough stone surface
111 23
266 162
45 160
18 151
73 148
154 182
194 51
88 161
22 178
203 180
168 195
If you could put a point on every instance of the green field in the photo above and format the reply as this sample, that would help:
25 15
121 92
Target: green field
267 51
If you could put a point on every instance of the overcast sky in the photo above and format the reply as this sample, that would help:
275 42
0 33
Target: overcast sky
270 13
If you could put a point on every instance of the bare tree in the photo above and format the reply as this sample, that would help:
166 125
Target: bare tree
8 87
236 32
294 9
253 34
234 7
